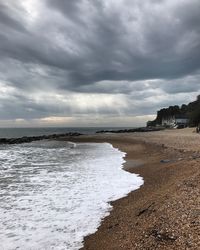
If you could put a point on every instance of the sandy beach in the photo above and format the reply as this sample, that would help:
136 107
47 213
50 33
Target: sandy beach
165 212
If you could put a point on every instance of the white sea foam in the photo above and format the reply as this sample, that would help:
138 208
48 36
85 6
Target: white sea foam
53 194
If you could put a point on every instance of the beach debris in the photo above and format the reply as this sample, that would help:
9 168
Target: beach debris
180 159
162 235
190 184
163 146
165 161
115 225
195 156
145 210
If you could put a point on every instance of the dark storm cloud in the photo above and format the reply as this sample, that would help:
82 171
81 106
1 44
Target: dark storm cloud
183 85
71 9
139 49
8 21
105 51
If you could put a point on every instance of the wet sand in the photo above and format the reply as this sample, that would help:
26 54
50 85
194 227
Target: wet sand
165 212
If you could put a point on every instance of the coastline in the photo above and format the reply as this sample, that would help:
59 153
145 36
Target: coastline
164 212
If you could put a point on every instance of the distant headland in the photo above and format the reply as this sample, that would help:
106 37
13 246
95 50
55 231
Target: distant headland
186 115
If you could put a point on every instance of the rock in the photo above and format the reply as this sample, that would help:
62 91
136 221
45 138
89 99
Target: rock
27 139
166 161
163 236
142 129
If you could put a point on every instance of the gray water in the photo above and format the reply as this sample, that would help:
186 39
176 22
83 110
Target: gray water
20 132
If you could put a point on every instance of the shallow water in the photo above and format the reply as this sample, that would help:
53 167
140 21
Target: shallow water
52 194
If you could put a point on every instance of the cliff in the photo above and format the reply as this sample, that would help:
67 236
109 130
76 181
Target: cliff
191 110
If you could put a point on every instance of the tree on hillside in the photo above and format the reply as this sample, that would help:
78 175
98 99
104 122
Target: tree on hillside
195 118
192 111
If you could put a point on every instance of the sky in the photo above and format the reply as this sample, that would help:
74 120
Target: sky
96 62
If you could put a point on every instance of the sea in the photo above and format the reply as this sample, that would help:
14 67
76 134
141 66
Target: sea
20 132
54 193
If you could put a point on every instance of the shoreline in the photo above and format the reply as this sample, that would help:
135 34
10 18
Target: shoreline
156 215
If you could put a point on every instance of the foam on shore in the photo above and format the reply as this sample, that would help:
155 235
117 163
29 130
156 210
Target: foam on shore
53 195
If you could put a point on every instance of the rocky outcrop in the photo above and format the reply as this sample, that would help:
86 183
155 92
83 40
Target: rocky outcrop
27 139
145 129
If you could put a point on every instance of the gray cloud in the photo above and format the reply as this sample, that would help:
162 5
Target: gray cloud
125 53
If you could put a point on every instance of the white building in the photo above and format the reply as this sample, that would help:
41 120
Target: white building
175 121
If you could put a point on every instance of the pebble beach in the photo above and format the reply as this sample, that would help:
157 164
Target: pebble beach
165 212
